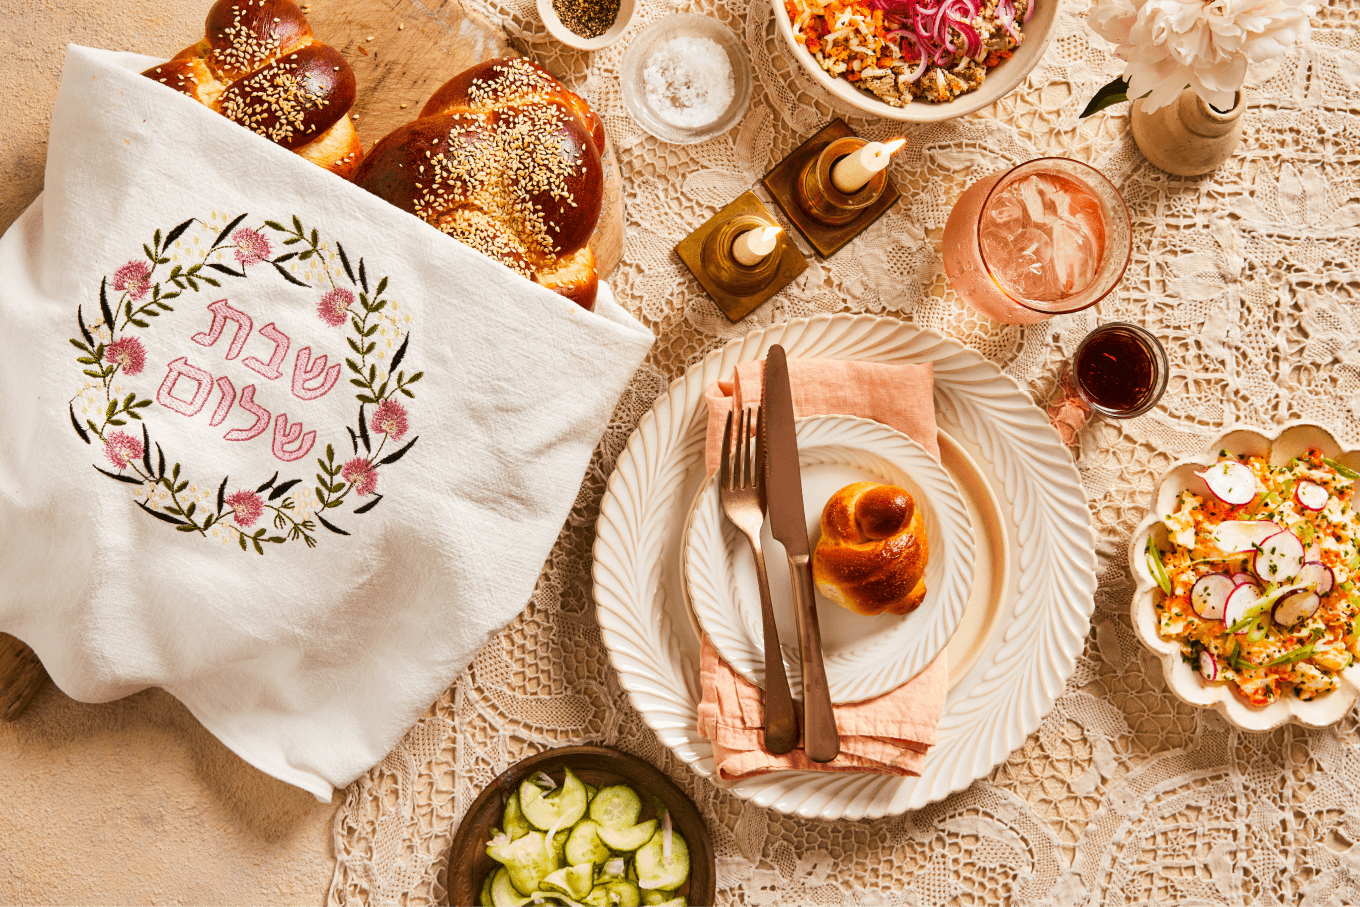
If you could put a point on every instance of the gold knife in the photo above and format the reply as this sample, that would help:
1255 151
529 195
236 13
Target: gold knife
788 523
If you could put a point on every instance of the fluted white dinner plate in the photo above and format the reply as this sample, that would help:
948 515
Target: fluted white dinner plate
866 656
1024 643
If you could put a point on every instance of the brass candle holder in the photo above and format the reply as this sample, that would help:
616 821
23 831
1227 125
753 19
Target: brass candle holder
739 289
828 218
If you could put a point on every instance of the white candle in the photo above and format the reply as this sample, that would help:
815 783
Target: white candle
751 247
855 169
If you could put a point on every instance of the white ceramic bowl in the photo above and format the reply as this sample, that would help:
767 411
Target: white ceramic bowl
627 8
1278 446
1000 81
648 41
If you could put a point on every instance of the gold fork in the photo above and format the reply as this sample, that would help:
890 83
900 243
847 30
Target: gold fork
741 484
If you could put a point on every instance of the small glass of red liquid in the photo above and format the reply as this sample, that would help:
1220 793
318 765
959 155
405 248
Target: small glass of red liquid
1120 370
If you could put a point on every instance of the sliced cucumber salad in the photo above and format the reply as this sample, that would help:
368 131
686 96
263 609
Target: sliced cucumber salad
573 844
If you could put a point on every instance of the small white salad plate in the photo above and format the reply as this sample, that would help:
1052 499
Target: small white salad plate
1278 447
865 656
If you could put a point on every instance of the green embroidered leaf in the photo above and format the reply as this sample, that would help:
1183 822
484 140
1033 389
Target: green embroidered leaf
104 303
286 276
207 523
344 261
150 255
358 382
138 322
190 511
113 408
87 360
226 270
176 233
134 414
267 485
354 366
161 516
288 257
274 225
353 438
221 493
382 285
75 423
370 505
181 486
315 237
240 537
354 346
157 240
408 393
416 377
281 490
193 284
306 255
116 422
297 225
160 461
327 523
186 529
363 424
369 348
227 229
276 539
211 281
131 480
365 398
141 403
94 374
380 304
294 240
381 392
84 331
400 354
174 474
330 454
372 329
394 457
146 448
363 277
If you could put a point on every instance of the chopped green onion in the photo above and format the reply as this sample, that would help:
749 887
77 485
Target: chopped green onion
1304 531
1154 561
1251 614
1290 657
1257 633
1341 470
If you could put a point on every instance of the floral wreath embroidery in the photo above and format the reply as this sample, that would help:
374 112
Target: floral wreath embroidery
165 490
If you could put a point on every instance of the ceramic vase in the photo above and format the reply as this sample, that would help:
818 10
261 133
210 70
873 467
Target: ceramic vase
1188 137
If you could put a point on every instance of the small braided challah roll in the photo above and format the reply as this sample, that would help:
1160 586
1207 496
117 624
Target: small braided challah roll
259 66
872 555
506 160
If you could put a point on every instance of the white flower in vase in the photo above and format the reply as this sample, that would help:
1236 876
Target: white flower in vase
1170 44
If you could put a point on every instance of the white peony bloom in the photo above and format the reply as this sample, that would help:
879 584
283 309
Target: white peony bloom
1169 44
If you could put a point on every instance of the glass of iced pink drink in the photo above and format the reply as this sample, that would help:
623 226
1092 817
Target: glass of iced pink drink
1047 237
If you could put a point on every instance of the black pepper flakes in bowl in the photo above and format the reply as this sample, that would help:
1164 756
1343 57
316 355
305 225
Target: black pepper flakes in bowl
587 24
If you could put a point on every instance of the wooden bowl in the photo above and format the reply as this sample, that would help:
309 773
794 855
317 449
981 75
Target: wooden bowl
596 765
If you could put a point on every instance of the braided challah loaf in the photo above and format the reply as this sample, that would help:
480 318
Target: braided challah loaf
872 555
260 66
506 160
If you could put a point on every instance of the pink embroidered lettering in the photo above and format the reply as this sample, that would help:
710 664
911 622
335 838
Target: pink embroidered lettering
222 313
306 370
224 405
271 369
180 368
284 435
261 417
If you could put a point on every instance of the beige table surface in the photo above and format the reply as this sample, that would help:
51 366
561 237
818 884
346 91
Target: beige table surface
130 802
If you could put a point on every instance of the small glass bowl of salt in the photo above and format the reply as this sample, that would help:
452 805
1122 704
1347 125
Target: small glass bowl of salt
686 78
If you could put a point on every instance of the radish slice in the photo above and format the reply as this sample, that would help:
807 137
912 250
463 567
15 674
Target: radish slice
1317 576
1210 594
1243 535
1240 578
1208 666
1279 558
1311 495
1295 608
1231 482
1242 598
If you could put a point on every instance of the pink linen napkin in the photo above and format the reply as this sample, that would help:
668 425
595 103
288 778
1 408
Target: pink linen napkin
889 734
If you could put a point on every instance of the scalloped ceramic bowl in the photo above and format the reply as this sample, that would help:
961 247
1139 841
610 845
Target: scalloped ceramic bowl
1001 81
1278 446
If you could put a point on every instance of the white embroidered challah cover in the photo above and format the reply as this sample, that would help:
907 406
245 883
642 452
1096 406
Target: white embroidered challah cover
268 442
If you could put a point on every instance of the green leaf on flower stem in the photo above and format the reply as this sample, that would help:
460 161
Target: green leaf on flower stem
226 230
1114 93
176 233
76 424
274 225
242 539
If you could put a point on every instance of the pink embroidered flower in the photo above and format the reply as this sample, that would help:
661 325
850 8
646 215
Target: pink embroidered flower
334 306
128 353
251 246
361 474
247 505
121 448
134 277
389 419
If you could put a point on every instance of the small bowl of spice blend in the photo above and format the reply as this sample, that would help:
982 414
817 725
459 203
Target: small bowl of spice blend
686 78
587 24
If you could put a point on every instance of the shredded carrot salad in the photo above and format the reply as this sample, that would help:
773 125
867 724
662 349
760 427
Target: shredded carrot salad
900 50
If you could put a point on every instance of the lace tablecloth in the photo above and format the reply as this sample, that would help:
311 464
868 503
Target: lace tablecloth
1250 277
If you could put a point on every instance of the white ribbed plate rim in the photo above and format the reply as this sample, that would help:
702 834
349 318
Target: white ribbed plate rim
992 710
882 652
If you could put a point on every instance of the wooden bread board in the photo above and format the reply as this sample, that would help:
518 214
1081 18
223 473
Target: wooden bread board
401 52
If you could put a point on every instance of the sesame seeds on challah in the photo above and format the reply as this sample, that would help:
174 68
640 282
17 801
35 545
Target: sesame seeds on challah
506 160
259 66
